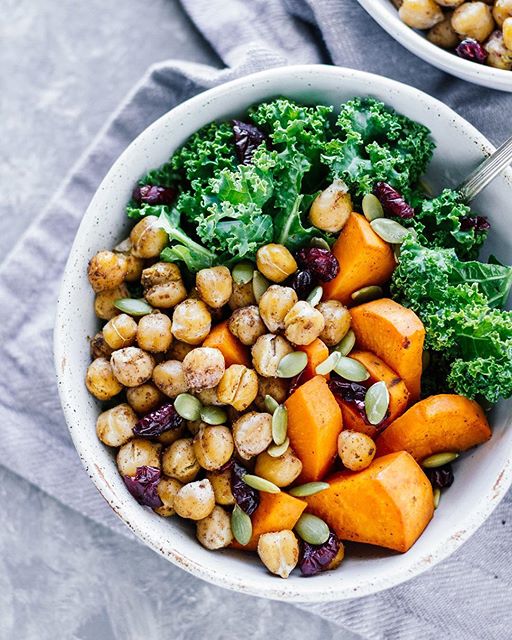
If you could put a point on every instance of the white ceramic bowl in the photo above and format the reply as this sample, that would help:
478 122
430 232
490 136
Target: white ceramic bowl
483 476
386 15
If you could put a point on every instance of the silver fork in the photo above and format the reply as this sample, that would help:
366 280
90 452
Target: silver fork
486 171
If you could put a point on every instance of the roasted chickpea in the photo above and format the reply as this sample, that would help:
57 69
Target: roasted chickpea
104 302
134 268
282 470
132 366
275 387
194 426
331 208
221 483
115 426
420 14
473 20
252 434
120 331
169 377
214 531
154 333
191 321
101 381
213 447
163 285
178 350
210 396
337 321
279 552
303 323
215 286
443 34
498 56
238 387
274 305
507 34
356 450
242 296
267 353
195 500
144 398
167 489
138 453
172 435
246 324
99 347
148 238
275 262
449 3
106 270
502 10
203 368
179 461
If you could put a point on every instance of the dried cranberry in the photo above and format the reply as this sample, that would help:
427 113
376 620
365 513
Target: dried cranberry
315 558
470 49
441 477
392 202
143 486
153 194
247 139
295 382
303 282
322 263
156 422
245 496
478 223
350 392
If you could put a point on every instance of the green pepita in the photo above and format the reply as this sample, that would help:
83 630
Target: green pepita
437 497
376 402
315 296
260 483
243 272
275 450
439 459
259 285
351 369
308 489
347 343
372 207
241 526
292 364
328 364
397 248
271 404
213 415
133 306
188 406
279 424
389 230
320 243
367 294
312 529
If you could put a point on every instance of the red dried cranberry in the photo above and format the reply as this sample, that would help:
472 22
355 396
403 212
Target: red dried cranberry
143 486
322 263
245 496
478 223
315 558
302 282
470 49
349 392
392 202
441 477
295 382
156 422
153 194
247 139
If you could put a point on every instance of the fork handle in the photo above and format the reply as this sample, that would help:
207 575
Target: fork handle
485 172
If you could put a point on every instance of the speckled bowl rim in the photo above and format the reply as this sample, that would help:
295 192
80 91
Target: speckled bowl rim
298 590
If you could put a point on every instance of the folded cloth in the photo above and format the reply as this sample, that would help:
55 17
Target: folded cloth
464 597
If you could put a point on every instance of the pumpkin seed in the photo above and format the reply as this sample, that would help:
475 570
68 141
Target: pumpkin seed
347 343
437 497
439 459
274 451
351 369
260 483
133 306
271 404
188 406
397 248
328 364
279 424
366 294
320 243
259 285
292 364
389 230
315 296
376 402
241 526
312 529
213 415
243 272
372 207
308 489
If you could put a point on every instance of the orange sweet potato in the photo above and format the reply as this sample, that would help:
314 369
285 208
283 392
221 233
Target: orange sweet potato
316 352
396 335
445 422
314 423
364 258
388 504
276 511
233 350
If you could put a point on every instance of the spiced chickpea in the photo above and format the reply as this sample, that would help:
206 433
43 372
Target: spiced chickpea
104 302
167 489
101 381
501 11
148 238
275 262
115 426
267 353
282 471
443 34
214 531
238 387
163 285
178 350
134 267
420 14
331 208
473 20
120 331
242 296
303 323
203 368
356 450
191 321
252 433
274 305
171 435
214 286
154 333
213 447
99 347
195 500
179 461
277 388
279 552
221 483
246 324
498 56
507 33
169 378
138 453
210 397
132 366
336 319
144 398
106 270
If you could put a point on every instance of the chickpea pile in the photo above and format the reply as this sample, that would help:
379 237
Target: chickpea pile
449 22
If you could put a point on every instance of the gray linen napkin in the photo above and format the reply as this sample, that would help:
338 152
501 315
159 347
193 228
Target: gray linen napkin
468 595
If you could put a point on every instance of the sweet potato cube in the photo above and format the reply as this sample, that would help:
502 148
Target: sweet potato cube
316 352
233 350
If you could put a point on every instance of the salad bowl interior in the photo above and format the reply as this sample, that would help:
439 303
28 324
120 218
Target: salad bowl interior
483 475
